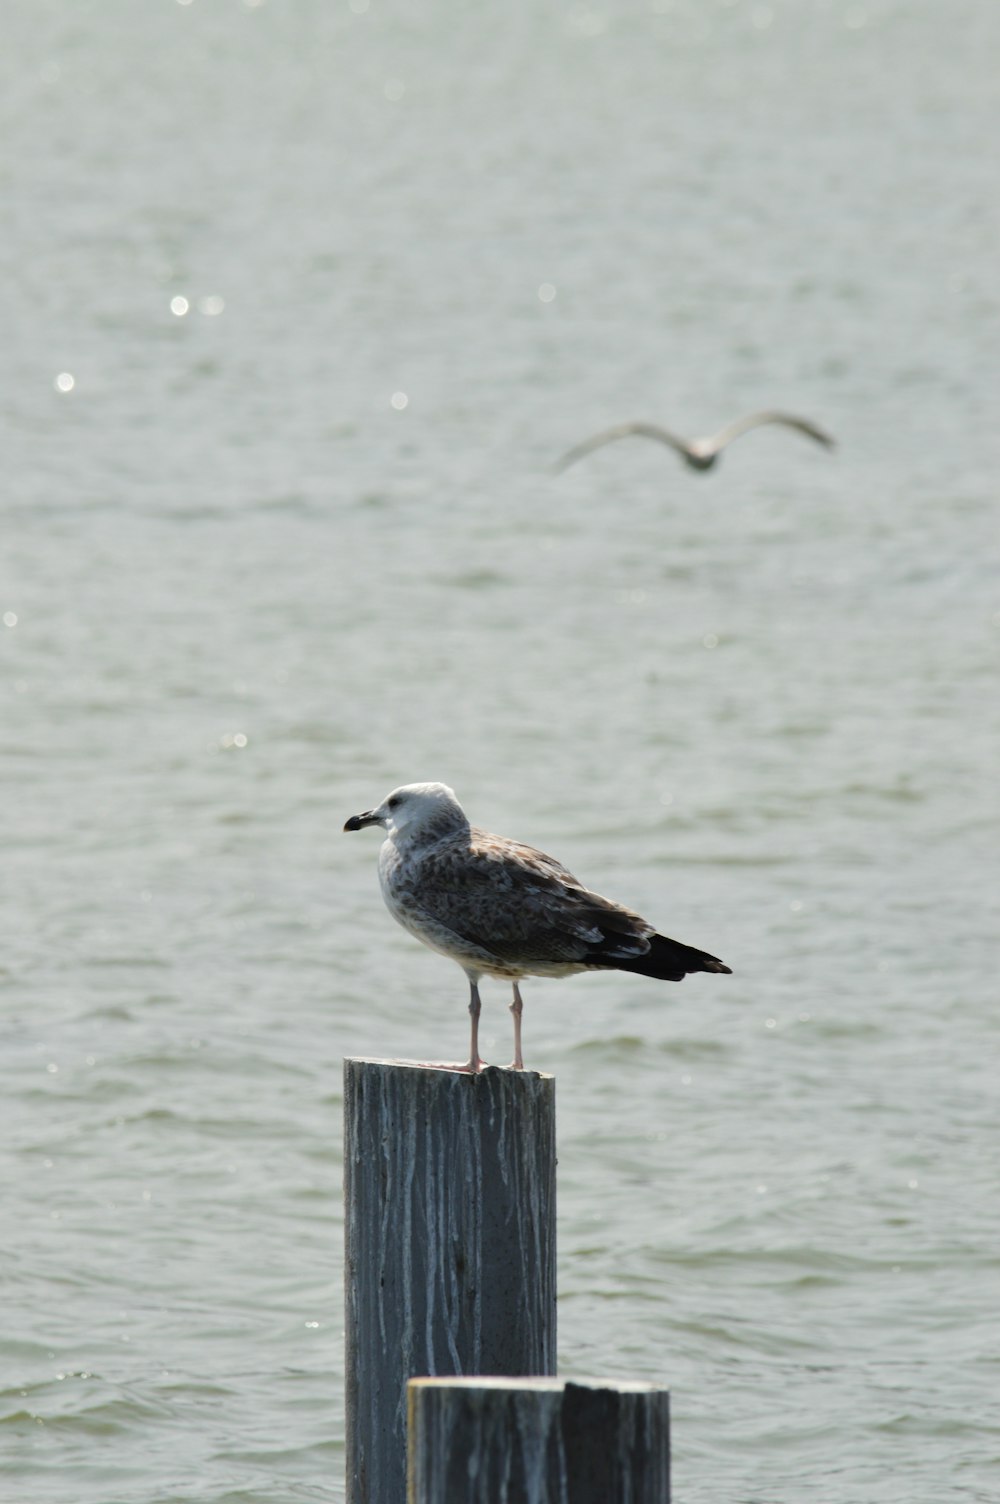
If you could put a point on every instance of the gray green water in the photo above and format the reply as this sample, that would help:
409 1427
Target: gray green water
243 595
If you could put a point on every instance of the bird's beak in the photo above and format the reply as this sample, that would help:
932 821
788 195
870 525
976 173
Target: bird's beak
358 822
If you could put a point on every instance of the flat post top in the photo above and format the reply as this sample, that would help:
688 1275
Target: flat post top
539 1385
425 1067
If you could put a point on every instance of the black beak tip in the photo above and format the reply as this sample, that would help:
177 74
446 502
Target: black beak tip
358 822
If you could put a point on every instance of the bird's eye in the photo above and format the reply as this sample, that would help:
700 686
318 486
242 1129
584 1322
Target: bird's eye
393 802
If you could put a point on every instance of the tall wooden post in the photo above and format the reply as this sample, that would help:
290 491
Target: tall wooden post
449 1189
538 1441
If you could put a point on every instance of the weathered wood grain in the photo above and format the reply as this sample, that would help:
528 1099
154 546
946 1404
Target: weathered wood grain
541 1441
449 1188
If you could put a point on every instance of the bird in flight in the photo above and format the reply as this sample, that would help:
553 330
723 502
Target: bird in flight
700 454
501 909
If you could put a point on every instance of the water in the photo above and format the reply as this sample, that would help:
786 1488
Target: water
246 594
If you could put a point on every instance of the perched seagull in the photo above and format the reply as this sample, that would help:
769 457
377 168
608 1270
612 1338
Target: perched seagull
700 454
501 909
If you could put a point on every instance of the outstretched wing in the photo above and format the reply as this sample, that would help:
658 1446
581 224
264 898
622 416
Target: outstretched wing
758 420
622 431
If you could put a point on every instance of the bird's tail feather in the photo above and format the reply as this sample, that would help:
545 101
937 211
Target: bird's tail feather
670 961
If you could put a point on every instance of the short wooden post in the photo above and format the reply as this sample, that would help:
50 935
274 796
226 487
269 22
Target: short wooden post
449 1189
538 1441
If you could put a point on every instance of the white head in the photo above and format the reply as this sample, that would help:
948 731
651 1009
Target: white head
419 809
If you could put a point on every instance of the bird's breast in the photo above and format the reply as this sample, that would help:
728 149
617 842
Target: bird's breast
400 875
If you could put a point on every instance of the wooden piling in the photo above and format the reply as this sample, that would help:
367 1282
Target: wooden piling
449 1191
538 1441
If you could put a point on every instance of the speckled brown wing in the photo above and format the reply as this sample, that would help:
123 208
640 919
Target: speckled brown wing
523 906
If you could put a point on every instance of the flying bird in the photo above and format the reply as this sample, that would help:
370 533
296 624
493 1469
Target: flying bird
501 909
700 454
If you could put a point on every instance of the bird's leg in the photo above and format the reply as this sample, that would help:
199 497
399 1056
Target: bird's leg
517 1008
475 1008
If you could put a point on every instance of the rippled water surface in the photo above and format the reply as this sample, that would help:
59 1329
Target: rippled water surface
301 302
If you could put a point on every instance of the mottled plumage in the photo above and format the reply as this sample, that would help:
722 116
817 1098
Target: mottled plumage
700 454
502 909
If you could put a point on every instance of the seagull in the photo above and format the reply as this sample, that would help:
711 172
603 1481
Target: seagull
501 909
700 454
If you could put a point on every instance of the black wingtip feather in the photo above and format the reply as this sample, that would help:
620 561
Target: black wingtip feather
670 961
